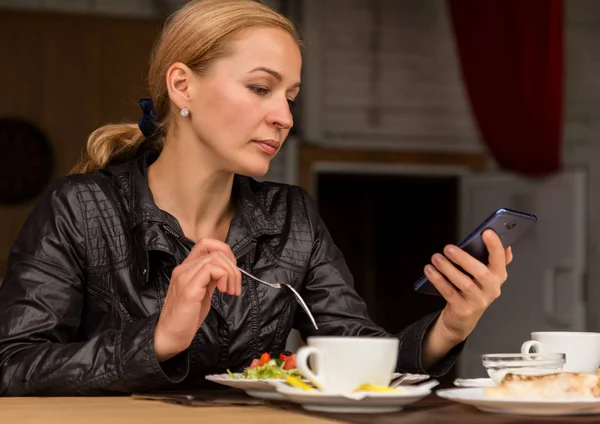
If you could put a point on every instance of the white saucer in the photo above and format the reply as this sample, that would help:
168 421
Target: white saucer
265 389
474 382
546 407
371 403
409 379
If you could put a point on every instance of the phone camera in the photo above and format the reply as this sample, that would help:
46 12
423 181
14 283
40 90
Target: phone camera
511 225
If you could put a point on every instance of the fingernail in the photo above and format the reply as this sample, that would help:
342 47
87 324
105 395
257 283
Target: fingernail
428 270
437 259
450 250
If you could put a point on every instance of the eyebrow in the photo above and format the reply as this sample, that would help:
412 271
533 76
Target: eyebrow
273 72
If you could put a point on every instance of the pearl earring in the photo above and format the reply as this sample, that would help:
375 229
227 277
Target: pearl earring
184 112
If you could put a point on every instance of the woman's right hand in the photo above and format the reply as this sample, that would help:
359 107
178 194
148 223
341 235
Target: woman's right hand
211 264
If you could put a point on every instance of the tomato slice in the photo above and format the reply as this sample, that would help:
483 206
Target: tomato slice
264 358
290 362
254 363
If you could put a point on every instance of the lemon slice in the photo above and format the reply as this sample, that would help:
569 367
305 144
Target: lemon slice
371 388
295 382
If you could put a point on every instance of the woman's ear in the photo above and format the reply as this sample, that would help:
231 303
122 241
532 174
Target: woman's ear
179 78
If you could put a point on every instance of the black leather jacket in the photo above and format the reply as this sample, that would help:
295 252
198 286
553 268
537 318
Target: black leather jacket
88 274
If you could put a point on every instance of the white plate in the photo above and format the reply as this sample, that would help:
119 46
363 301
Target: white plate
371 403
265 389
475 397
260 389
474 382
266 395
244 384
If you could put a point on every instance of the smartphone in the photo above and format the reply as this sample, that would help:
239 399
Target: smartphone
509 224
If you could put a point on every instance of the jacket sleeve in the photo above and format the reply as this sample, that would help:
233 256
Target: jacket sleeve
41 301
339 310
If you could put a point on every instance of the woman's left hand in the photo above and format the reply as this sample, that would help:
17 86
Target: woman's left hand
466 305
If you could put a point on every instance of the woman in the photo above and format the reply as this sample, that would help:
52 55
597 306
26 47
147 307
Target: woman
102 293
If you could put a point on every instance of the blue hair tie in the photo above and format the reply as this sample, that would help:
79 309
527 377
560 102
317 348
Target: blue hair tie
147 122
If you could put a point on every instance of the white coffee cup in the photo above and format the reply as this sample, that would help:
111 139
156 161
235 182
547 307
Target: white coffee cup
342 364
582 349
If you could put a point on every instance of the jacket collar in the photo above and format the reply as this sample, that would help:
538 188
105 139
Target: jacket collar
251 218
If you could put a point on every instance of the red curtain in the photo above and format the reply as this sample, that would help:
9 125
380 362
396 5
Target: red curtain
511 54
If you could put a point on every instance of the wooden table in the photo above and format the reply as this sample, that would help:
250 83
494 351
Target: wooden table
126 410
123 410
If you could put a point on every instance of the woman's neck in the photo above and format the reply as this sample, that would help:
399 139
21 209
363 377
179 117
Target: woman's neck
196 194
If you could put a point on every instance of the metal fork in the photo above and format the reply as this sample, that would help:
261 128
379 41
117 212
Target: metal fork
280 285
273 285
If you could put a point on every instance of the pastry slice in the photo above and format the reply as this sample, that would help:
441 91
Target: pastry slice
549 386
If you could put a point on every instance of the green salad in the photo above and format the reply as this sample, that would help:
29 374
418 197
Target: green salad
268 368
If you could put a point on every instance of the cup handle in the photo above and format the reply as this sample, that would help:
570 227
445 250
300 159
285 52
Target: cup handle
526 347
302 355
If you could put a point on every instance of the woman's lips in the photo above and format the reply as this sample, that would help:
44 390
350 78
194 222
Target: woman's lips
269 146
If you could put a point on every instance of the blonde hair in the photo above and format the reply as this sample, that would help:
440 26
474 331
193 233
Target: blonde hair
197 35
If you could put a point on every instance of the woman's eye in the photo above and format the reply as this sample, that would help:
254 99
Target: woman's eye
291 103
261 91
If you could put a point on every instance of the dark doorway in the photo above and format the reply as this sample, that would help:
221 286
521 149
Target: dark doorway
388 227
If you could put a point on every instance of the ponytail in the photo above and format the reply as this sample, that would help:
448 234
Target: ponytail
117 143
109 144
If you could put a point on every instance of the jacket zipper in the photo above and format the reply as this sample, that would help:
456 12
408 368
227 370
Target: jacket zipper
245 249
177 236
171 232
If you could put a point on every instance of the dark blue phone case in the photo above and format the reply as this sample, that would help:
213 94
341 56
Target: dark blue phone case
509 224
